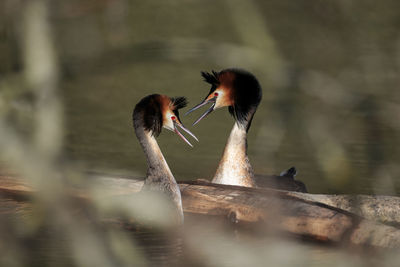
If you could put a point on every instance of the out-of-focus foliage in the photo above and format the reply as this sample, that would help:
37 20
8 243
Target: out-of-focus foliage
72 71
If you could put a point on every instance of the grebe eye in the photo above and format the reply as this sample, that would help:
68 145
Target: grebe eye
215 94
173 118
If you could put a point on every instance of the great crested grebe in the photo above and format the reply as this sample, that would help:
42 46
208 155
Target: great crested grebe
150 115
240 91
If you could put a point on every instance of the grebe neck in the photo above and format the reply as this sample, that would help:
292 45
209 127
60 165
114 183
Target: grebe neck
157 166
159 176
234 167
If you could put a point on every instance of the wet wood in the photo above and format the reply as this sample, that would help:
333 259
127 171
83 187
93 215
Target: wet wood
274 210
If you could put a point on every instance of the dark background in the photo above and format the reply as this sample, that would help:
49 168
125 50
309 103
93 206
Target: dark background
329 72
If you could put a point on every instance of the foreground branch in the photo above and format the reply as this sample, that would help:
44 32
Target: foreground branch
290 212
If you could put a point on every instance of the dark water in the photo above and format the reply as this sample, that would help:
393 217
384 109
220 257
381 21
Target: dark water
329 72
329 81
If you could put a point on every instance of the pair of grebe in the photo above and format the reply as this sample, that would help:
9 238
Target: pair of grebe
237 89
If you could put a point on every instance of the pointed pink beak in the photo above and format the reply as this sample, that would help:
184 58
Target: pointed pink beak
180 125
208 111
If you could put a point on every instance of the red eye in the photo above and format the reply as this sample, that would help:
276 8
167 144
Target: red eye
173 118
215 94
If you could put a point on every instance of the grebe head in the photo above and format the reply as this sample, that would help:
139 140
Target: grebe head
237 89
155 112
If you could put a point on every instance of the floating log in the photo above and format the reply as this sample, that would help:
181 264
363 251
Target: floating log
276 210
384 209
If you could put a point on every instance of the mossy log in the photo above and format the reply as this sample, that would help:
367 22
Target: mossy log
295 213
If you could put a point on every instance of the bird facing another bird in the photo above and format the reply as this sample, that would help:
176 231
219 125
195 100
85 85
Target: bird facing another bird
236 89
150 115
240 91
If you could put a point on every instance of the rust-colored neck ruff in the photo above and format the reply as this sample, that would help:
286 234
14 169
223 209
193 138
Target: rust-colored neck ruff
234 167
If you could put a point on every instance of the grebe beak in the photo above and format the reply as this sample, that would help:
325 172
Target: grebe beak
180 125
208 111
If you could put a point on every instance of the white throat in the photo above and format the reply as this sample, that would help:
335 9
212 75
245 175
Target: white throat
234 167
157 165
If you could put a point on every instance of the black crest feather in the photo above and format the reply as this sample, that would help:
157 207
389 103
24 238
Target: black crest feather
179 102
247 96
211 78
149 109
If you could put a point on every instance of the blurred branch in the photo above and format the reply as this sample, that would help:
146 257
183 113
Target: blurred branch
41 72
254 33
37 160
296 213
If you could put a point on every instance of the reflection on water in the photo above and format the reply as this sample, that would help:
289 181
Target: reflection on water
161 249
